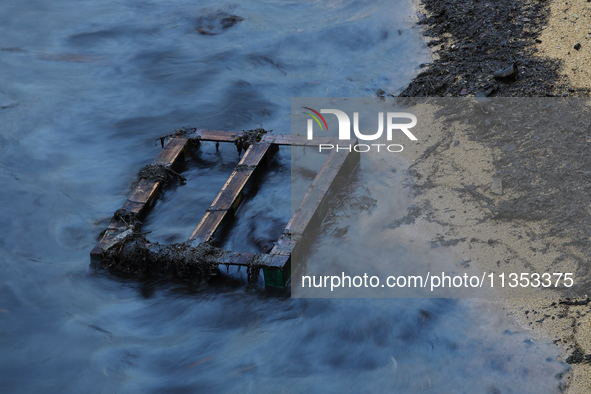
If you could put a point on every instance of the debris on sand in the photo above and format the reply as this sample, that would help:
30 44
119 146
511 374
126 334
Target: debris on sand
479 48
497 186
506 74
578 357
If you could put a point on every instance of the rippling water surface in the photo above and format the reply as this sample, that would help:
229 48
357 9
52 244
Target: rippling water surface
85 87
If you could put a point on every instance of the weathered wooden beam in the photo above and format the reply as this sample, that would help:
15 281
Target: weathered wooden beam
285 244
207 226
314 205
238 258
297 140
310 213
172 152
116 233
216 135
146 191
230 196
142 196
270 138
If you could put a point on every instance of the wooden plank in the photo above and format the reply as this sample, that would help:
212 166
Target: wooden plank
171 152
312 209
285 245
230 196
231 190
314 204
207 226
277 139
141 197
313 199
134 207
115 233
144 191
216 135
298 140
279 261
237 258
255 155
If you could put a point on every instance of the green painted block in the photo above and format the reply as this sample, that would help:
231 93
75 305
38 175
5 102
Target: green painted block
274 278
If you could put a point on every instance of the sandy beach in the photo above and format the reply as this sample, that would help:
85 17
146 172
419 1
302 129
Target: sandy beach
465 183
567 37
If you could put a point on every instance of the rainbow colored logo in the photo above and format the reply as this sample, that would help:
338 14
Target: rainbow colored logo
315 118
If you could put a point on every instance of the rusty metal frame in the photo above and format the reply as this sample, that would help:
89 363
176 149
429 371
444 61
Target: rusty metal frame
312 209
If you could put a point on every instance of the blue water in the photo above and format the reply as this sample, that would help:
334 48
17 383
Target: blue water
86 87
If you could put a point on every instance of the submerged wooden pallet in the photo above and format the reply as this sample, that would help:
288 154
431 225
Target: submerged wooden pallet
276 264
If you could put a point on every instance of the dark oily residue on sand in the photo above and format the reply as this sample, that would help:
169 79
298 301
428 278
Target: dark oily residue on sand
487 49
477 39
541 158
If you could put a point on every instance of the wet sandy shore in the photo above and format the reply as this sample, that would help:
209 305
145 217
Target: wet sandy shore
546 46
567 37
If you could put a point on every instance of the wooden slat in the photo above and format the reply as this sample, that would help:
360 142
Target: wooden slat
255 155
134 207
313 206
216 135
237 258
144 191
298 140
230 197
278 261
277 139
231 190
116 232
285 245
312 209
171 152
142 195
314 202
207 226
